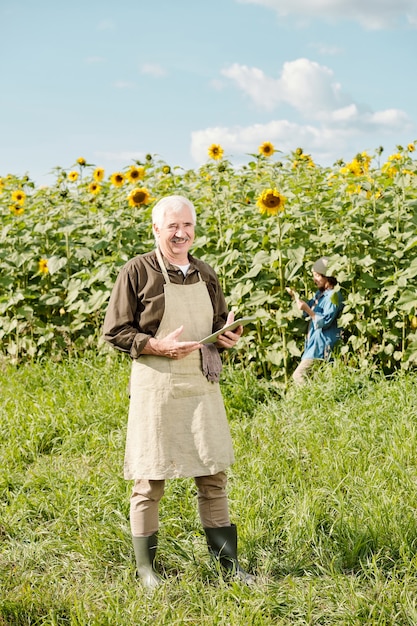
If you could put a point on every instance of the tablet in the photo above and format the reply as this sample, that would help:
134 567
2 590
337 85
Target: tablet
240 322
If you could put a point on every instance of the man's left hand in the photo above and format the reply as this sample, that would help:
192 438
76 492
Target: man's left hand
230 337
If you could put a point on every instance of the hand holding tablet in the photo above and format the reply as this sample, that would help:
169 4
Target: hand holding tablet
240 322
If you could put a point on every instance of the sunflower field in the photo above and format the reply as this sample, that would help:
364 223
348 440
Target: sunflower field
261 225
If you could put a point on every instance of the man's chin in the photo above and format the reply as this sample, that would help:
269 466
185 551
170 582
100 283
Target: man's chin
180 249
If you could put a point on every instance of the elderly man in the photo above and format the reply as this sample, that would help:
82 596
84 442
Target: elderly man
162 304
323 310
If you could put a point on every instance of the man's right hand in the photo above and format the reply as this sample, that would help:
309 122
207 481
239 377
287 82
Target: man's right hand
170 347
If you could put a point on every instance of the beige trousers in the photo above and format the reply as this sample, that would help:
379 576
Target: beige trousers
211 496
301 372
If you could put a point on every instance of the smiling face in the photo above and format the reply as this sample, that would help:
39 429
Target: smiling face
176 235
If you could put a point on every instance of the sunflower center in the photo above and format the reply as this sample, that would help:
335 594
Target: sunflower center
271 201
138 197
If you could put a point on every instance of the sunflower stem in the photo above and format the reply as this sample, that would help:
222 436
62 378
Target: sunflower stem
281 273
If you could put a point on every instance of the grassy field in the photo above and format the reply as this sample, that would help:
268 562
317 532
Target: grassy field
323 492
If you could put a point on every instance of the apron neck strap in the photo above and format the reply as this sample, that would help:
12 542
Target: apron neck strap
162 265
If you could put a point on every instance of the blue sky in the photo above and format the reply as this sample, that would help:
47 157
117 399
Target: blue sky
113 81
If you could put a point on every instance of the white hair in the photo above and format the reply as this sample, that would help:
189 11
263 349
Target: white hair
175 203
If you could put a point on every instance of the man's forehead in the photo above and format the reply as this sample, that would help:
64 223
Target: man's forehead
178 215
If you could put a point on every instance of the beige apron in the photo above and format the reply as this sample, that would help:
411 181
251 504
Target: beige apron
177 425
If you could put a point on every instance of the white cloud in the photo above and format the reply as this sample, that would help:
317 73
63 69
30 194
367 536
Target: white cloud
372 14
305 85
154 69
239 140
310 87
325 143
346 114
392 118
262 90
333 126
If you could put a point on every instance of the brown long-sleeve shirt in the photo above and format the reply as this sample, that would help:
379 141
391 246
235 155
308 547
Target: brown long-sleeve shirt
137 303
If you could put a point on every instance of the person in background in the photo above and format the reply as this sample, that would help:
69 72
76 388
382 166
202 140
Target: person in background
163 302
323 310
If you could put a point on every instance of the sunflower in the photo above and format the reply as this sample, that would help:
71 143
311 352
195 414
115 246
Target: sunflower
135 173
98 174
139 196
19 196
393 165
395 157
411 147
302 159
374 194
94 188
166 169
267 149
81 161
270 202
354 167
16 209
43 266
353 189
389 171
72 176
215 152
117 179
359 165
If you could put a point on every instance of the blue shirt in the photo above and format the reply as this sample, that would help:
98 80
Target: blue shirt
323 331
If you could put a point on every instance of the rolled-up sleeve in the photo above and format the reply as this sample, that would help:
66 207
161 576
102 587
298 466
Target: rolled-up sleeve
328 313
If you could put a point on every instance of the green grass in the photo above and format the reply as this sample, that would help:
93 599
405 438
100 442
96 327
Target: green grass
323 492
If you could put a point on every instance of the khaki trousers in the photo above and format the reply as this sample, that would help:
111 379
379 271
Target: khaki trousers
146 494
300 374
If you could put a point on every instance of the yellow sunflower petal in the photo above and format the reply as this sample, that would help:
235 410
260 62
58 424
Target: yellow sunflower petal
271 202
267 149
139 196
215 151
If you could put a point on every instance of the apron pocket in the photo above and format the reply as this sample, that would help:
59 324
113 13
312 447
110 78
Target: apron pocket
183 386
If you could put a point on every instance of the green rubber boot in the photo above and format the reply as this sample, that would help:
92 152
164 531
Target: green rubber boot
145 552
222 545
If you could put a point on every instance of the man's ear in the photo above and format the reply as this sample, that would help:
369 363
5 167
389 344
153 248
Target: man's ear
155 229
